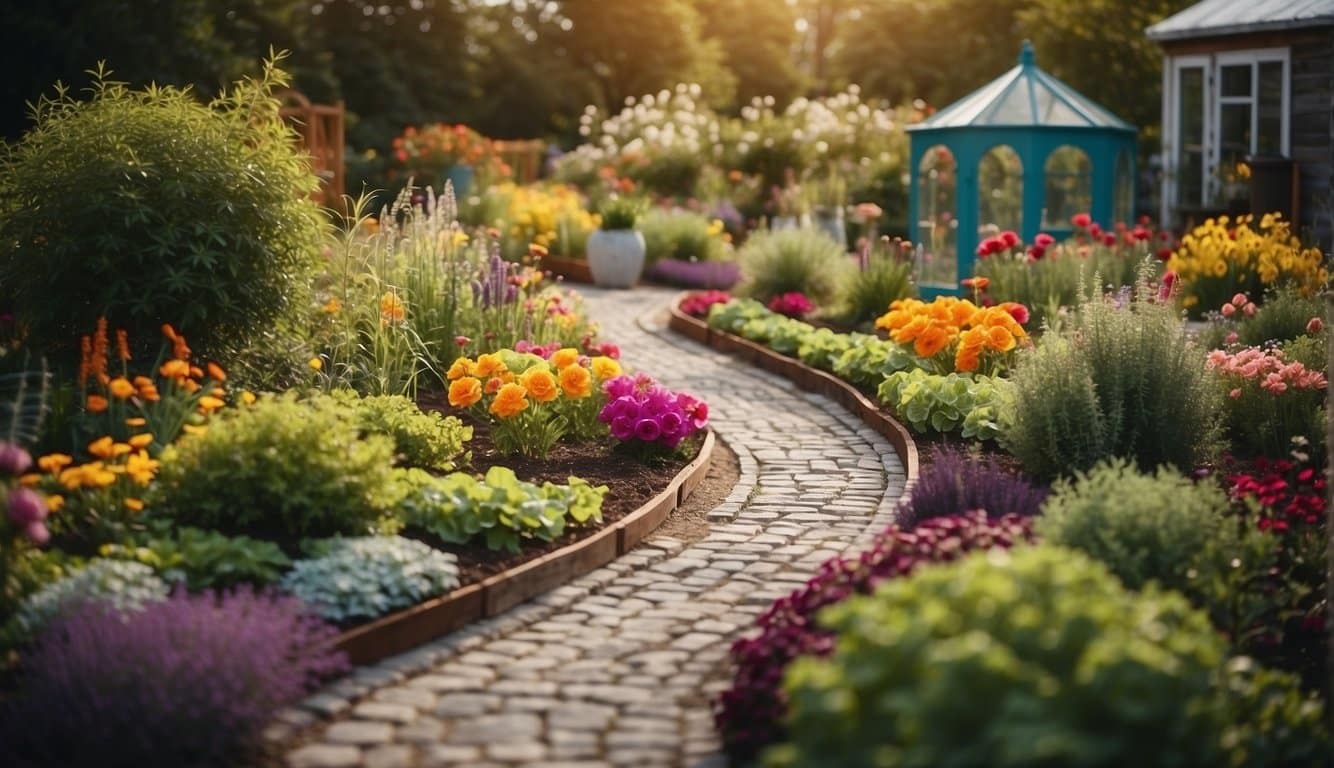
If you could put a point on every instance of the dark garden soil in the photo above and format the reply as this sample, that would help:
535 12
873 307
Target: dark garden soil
630 482
690 523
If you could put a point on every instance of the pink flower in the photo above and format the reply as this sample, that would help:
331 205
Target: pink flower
1081 220
1235 394
26 507
14 460
1043 240
1109 240
1010 238
1315 326
1249 309
37 533
1229 310
1239 299
1231 338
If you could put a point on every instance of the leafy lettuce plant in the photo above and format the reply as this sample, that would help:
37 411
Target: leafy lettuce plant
501 509
958 402
367 577
202 559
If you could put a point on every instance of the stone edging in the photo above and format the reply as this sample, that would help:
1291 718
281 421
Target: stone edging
411 627
806 378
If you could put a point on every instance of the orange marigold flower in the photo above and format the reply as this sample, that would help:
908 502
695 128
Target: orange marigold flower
966 360
460 368
510 401
169 332
136 421
150 394
931 341
216 373
1000 339
142 440
576 381
54 462
563 358
102 447
540 384
196 372
121 388
123 345
54 502
190 385
97 404
489 365
175 369
134 505
391 308
465 391
209 404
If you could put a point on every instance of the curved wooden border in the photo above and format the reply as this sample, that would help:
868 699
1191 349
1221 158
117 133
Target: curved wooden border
573 270
409 628
805 377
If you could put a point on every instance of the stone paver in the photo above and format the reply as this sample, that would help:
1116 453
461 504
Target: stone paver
617 667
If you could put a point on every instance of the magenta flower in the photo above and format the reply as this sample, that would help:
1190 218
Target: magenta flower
14 460
26 507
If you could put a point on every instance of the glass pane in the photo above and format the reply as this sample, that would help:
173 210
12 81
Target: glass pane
1069 186
1269 133
1190 136
1014 108
937 229
1000 192
1234 144
1235 80
1124 209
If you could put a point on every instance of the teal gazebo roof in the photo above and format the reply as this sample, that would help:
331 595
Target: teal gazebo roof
1024 96
1021 153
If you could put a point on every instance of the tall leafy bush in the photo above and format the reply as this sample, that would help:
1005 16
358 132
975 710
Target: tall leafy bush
149 207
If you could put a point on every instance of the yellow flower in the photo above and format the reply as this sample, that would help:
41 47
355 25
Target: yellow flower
54 502
137 421
464 392
391 308
142 441
141 468
134 505
460 238
576 381
121 388
564 358
315 363
460 368
102 447
540 384
175 369
332 307
605 368
248 397
194 429
209 404
54 462
510 401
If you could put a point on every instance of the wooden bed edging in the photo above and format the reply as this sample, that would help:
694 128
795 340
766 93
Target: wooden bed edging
805 377
409 628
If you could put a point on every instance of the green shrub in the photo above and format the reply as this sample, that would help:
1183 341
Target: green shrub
1035 657
621 213
426 440
149 207
1142 526
1120 381
867 294
1272 722
278 469
205 559
502 509
676 234
1056 281
1283 316
801 260
367 577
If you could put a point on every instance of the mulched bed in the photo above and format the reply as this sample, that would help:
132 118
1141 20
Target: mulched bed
631 483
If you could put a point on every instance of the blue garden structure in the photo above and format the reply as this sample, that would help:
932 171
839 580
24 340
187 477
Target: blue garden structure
1023 153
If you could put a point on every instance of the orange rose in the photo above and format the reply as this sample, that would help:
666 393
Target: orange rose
540 384
564 358
510 401
489 365
461 367
576 381
464 392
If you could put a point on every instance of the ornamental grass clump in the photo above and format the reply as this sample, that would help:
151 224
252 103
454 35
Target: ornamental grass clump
751 715
792 260
192 681
150 207
1033 657
1122 380
955 481
880 281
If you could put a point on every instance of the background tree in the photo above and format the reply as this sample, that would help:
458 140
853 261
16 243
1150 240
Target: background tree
759 43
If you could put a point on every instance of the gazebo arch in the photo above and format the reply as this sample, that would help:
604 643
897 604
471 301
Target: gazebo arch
1034 115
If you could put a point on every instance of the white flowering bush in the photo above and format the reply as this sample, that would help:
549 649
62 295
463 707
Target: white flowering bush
367 577
124 585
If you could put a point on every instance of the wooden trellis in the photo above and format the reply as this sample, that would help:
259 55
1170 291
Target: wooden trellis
321 130
524 157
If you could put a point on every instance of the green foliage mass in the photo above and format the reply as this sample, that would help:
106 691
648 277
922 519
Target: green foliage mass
1120 381
958 402
1036 657
867 294
149 207
1142 526
205 559
367 577
279 469
676 234
803 260
501 509
426 440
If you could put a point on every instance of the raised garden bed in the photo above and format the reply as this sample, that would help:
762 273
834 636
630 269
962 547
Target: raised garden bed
406 629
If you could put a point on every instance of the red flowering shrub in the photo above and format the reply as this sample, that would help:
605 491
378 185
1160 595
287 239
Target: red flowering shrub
793 304
750 714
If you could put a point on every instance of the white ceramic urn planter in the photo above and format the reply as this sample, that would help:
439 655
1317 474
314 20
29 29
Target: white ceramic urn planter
615 257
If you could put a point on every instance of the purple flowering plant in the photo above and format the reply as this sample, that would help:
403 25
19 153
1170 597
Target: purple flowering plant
192 680
643 414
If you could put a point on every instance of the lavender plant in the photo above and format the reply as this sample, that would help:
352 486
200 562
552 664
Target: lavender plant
191 681
956 481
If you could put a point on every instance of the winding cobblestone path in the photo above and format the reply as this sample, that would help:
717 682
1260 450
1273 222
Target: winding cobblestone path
616 668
